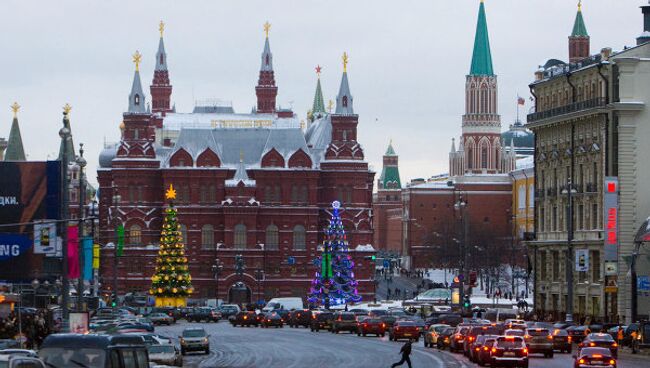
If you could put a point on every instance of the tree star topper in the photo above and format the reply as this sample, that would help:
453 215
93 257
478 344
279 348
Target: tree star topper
345 62
318 70
137 57
171 192
66 109
161 28
15 107
267 27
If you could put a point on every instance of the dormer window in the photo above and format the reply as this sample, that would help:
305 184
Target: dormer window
267 59
136 133
345 101
162 60
136 100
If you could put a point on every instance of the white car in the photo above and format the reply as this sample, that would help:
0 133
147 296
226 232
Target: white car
17 361
165 354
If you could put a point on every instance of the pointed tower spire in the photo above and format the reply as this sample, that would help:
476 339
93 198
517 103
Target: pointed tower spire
136 97
579 39
453 145
66 123
161 89
319 103
389 178
266 89
482 56
344 99
15 150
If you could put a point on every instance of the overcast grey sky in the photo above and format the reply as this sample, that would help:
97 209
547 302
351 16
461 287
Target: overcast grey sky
408 61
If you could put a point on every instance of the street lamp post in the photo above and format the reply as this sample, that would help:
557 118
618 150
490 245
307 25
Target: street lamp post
259 275
81 162
65 135
116 200
569 191
92 211
217 267
461 206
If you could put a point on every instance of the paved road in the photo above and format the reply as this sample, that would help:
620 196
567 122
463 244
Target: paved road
248 347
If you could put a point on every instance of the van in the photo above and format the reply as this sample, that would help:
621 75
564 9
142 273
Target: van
92 350
283 303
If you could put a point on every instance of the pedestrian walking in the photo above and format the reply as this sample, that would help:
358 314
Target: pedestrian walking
406 352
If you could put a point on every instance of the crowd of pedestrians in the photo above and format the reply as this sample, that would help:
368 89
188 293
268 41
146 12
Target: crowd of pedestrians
33 326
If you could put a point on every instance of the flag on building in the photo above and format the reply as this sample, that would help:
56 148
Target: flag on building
521 101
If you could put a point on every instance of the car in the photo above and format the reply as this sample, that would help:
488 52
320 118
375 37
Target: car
321 321
484 355
578 333
562 341
594 357
21 352
203 314
93 350
458 338
432 334
388 320
228 310
125 327
600 340
515 324
20 361
372 326
161 319
194 339
477 345
271 319
300 317
445 337
150 338
514 332
344 321
509 351
404 330
377 313
539 340
563 325
476 330
451 319
642 340
166 354
172 312
246 318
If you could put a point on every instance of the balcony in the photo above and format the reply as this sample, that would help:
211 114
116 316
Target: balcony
551 192
567 109
591 188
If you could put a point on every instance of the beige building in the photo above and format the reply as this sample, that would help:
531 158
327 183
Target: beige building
591 129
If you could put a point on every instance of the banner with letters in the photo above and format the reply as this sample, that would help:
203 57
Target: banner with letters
45 238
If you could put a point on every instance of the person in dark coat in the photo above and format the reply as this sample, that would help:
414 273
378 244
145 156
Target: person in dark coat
406 352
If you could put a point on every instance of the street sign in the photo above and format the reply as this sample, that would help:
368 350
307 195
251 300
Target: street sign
386 263
291 260
643 283
611 268
611 287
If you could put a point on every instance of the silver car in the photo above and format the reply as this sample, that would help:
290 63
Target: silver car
165 354
195 339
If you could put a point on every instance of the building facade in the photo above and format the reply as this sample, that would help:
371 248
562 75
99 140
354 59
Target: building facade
252 184
387 205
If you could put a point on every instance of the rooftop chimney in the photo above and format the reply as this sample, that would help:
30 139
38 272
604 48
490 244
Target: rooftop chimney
645 36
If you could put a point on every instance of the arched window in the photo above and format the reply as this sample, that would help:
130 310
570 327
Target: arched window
207 237
272 237
240 236
299 238
345 101
212 193
304 194
278 194
294 194
136 99
203 198
135 235
470 158
183 233
484 158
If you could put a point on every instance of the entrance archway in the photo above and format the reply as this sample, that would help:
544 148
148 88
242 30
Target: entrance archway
239 293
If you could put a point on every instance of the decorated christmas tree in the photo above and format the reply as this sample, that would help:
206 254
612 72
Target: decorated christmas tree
171 283
334 282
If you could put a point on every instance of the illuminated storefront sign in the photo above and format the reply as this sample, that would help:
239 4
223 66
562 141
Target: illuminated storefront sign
610 218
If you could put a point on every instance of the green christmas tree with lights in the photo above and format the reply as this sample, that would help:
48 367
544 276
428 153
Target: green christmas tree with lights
171 283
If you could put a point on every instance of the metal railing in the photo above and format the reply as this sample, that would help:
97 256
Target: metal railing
567 109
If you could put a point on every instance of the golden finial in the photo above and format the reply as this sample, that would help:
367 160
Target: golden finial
136 59
267 27
579 5
66 109
161 28
330 105
171 192
241 155
302 124
345 62
15 107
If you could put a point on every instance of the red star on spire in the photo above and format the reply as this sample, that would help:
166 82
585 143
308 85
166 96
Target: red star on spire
318 69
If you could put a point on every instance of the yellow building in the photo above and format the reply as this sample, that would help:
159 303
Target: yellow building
523 198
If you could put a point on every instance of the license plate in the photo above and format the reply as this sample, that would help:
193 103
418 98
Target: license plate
597 361
407 334
509 353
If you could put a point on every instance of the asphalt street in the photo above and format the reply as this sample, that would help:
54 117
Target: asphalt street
248 347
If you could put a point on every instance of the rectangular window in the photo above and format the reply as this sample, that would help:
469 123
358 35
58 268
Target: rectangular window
554 224
581 216
594 216
542 222
595 177
594 263
543 265
556 265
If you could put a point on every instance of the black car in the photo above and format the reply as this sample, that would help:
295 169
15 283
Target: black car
321 321
300 317
228 310
444 339
272 319
562 341
344 321
203 314
246 318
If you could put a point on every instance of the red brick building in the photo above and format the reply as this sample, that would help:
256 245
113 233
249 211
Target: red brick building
253 184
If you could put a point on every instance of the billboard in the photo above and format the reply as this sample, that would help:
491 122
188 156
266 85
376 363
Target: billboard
610 218
29 191
582 260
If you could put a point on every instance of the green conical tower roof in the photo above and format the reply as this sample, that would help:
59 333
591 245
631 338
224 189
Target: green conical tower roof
15 150
579 28
390 151
319 104
389 177
482 57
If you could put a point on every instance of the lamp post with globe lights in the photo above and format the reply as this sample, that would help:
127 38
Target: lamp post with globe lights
81 162
569 191
66 137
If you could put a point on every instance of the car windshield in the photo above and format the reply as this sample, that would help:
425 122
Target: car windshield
405 324
592 351
324 316
378 312
72 357
506 343
347 317
538 332
158 349
194 333
600 337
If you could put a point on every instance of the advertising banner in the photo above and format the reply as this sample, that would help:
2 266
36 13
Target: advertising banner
87 243
582 260
45 238
73 252
13 246
79 322
610 218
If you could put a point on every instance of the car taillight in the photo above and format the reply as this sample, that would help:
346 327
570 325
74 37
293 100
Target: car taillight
396 328
597 356
569 339
581 361
245 317
471 338
612 361
549 337
478 349
383 325
494 350
485 348
614 345
592 344
525 350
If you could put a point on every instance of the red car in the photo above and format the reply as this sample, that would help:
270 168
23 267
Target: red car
372 326
600 340
404 330
484 356
594 357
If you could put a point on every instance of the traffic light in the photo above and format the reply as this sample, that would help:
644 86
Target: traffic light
466 302
372 258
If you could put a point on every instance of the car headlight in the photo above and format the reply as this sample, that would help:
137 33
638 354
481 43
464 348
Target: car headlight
205 340
182 341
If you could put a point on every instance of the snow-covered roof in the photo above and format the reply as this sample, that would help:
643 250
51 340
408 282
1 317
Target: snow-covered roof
202 120
526 162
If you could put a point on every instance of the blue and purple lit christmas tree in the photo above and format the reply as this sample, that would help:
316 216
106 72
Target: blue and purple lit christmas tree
334 282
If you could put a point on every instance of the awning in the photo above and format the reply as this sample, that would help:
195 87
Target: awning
643 234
